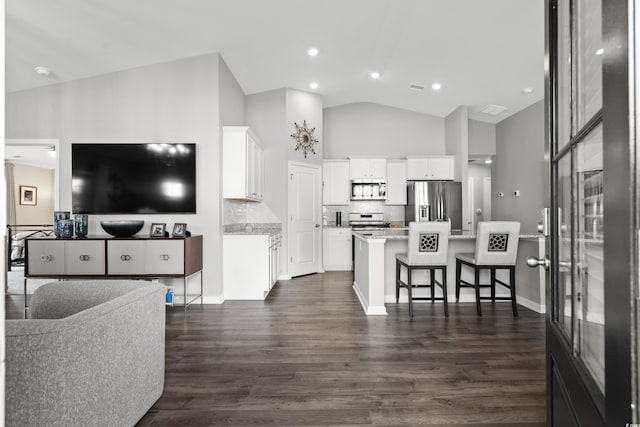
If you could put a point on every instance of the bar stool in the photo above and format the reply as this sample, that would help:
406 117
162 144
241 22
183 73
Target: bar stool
427 250
496 249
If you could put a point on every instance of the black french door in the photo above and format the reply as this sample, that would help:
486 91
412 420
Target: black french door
592 242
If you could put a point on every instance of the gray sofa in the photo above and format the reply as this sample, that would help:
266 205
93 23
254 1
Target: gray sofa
91 354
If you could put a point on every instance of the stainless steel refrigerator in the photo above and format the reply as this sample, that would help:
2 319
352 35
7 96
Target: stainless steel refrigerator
434 201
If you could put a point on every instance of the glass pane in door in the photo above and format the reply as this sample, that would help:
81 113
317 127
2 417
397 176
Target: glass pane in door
564 290
590 255
564 75
588 60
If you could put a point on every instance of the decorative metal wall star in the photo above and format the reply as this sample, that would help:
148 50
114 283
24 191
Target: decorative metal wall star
304 138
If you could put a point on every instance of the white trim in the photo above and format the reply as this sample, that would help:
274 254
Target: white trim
537 307
368 310
404 299
284 277
338 267
213 300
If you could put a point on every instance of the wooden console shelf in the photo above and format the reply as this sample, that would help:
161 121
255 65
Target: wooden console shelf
100 257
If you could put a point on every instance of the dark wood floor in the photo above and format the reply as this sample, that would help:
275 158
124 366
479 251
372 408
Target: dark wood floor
308 356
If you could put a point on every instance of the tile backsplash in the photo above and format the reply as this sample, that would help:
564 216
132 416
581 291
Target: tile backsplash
236 212
393 214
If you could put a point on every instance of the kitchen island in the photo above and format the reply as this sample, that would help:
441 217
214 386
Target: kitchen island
375 269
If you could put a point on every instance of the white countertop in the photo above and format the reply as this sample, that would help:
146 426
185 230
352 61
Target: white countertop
403 234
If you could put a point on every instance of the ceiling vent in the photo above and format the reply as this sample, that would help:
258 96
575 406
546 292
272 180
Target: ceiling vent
493 110
416 87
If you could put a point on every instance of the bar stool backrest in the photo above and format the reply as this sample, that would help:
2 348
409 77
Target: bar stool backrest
497 242
428 242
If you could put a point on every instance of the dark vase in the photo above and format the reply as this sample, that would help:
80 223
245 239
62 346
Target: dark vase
57 217
82 225
66 228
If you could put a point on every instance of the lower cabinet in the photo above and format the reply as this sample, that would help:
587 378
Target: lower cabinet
336 249
251 265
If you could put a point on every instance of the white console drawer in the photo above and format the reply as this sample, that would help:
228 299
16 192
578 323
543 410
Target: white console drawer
84 257
45 257
126 257
165 257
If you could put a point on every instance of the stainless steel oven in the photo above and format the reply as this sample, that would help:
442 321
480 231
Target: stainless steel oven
365 221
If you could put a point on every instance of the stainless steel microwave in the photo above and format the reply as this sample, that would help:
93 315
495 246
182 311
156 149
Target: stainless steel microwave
368 189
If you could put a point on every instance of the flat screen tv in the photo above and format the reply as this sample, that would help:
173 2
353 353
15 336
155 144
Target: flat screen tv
133 178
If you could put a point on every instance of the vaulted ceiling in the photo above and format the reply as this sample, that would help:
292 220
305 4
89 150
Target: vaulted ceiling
480 51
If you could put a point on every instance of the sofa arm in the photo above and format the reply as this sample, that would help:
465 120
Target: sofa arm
56 300
101 366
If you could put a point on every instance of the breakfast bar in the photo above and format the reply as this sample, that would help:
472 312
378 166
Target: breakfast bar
374 269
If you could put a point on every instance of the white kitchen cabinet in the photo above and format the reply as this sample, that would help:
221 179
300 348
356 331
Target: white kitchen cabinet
363 168
335 182
242 164
396 182
430 168
249 261
336 249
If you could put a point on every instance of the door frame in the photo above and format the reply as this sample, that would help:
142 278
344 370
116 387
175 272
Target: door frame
318 248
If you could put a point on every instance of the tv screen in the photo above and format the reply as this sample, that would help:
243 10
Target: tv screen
133 178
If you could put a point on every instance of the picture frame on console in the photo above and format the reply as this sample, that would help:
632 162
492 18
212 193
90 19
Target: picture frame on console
179 229
28 195
157 229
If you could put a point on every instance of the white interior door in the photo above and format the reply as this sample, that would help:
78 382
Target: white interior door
471 204
305 187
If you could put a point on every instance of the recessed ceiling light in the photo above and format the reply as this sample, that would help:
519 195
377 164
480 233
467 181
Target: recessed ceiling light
436 86
488 161
313 51
527 90
600 51
314 85
375 75
42 71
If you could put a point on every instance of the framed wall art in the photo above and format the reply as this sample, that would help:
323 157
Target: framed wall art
28 195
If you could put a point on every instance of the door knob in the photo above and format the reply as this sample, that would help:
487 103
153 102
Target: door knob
539 262
317 225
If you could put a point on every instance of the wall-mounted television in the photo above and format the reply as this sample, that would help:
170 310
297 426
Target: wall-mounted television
133 178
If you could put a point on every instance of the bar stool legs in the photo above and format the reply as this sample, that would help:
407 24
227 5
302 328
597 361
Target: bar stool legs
432 284
476 285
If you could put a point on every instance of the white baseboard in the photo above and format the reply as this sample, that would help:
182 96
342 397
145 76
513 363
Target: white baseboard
284 277
338 267
369 311
538 308
213 300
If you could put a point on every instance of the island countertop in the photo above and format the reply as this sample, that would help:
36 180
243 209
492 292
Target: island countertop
402 233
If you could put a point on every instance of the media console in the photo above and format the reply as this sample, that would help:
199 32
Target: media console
98 257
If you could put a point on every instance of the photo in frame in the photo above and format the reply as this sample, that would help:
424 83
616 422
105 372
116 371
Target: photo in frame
157 229
179 229
28 195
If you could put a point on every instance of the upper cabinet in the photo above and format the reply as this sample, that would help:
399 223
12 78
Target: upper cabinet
368 168
396 182
242 164
335 182
430 168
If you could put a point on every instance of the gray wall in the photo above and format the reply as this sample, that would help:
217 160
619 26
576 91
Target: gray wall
175 101
482 138
232 98
366 129
272 115
43 180
519 164
457 144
